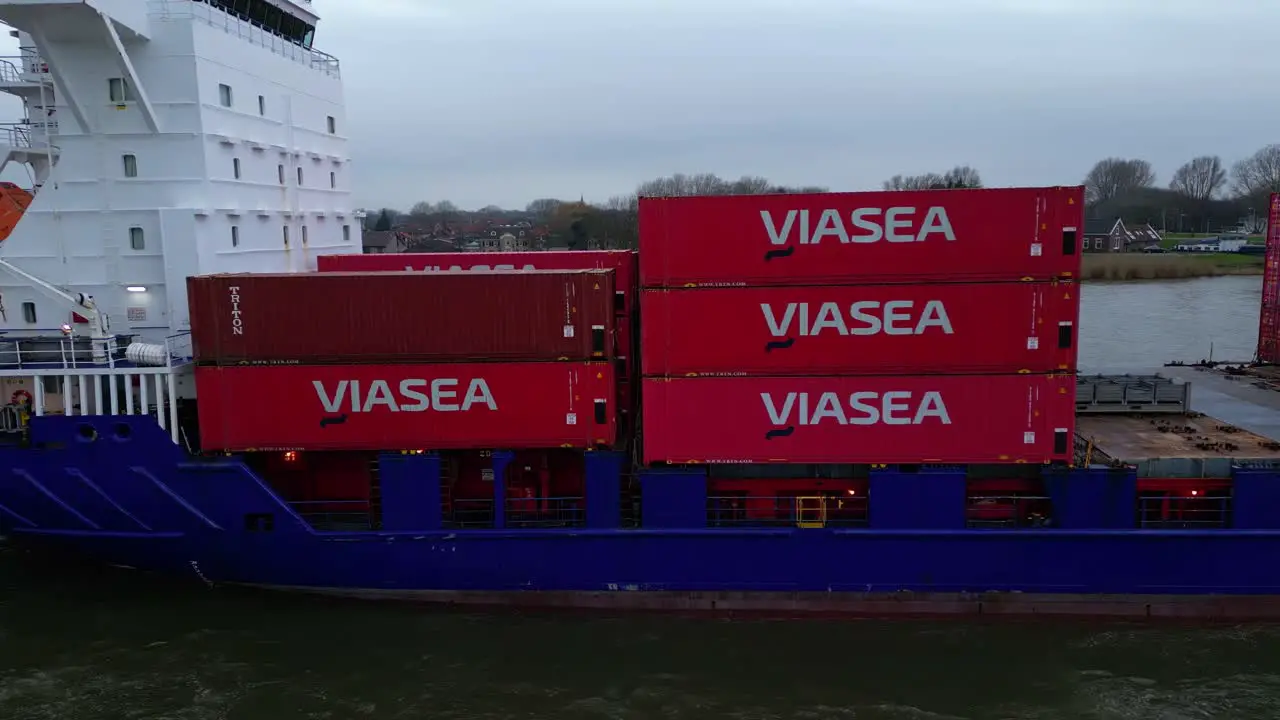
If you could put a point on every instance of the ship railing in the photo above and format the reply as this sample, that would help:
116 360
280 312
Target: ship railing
31 61
1008 512
335 515
83 353
630 508
728 511
1167 512
546 512
16 135
246 30
466 513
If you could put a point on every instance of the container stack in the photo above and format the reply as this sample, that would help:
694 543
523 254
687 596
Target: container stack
623 263
372 361
895 327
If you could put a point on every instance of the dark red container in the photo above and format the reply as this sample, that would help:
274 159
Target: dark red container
1269 317
623 262
401 317
407 407
866 329
876 419
834 238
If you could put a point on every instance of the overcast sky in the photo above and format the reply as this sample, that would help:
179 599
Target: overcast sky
504 101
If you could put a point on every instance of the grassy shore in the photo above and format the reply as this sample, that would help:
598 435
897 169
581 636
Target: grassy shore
1167 266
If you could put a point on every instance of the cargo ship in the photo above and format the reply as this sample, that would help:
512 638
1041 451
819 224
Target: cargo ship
840 403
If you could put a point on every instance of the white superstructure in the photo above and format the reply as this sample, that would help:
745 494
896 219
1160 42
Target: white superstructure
188 137
164 139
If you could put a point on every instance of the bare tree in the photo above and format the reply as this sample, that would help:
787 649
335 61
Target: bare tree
621 203
543 207
960 176
1200 178
1259 174
913 182
1114 177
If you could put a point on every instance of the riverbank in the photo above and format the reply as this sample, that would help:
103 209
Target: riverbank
1166 266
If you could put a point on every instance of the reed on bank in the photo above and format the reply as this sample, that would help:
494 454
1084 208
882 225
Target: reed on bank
1167 266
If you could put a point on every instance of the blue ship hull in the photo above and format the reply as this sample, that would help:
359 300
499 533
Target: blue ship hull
125 494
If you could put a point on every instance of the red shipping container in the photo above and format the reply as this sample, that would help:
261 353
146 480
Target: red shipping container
877 419
407 407
622 262
401 316
831 238
1269 317
867 329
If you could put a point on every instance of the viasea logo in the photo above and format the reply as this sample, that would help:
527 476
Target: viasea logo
899 224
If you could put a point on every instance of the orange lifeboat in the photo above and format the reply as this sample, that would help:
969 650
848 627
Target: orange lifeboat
14 201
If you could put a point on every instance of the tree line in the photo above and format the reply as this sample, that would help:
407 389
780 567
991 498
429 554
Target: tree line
1203 195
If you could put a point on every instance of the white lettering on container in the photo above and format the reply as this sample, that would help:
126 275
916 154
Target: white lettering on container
410 395
472 268
895 225
863 408
866 317
237 323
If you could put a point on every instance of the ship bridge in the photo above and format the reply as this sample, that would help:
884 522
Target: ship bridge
165 139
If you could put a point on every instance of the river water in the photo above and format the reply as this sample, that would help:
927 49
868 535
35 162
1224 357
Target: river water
86 645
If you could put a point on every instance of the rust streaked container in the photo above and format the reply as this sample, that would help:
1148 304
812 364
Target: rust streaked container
401 317
623 262
909 236
996 328
871 419
407 407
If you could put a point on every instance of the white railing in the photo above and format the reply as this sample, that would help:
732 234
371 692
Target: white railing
18 69
32 63
20 135
214 17
19 355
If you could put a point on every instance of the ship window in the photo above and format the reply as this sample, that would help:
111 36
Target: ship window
130 166
235 236
137 240
304 234
333 179
299 176
268 17
235 167
286 236
119 90
333 125
224 95
262 105
346 233
29 312
280 172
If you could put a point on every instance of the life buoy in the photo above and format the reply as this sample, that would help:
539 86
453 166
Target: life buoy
20 397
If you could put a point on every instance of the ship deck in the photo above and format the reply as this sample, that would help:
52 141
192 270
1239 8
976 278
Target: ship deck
1231 422
1195 436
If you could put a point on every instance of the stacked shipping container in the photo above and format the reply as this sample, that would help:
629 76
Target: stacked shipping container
1269 317
904 327
623 263
404 360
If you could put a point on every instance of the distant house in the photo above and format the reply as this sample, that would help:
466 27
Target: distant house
382 241
1116 236
1104 236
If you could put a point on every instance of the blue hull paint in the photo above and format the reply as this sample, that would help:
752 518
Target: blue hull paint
138 501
